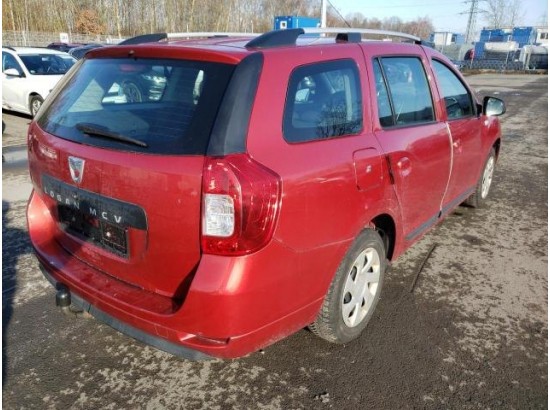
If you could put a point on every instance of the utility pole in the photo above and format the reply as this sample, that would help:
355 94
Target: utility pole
323 13
471 29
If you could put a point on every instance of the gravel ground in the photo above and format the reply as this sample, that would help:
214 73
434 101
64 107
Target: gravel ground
473 334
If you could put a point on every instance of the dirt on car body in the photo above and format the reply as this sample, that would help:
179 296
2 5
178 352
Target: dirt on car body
472 334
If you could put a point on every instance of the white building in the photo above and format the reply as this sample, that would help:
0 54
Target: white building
446 38
542 36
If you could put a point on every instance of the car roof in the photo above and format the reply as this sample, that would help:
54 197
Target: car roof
240 45
226 49
34 50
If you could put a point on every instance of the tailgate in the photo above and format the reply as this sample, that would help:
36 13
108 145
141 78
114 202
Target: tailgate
133 216
117 153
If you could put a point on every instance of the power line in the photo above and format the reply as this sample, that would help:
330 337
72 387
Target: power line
337 12
471 28
441 3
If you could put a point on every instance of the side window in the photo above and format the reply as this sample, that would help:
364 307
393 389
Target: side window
323 101
9 61
409 92
458 101
384 106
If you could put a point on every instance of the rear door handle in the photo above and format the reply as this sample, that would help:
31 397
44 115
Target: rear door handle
457 145
404 166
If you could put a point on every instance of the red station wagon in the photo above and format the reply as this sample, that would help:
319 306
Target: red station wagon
212 196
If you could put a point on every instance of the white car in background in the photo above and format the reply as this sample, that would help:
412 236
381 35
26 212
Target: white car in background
28 76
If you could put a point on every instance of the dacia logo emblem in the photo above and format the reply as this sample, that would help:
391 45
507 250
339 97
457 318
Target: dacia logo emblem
76 166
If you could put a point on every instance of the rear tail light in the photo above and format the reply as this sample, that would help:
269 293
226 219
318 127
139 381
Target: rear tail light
219 216
240 200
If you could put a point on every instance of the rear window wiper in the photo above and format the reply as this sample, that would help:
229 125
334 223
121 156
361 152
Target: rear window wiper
94 130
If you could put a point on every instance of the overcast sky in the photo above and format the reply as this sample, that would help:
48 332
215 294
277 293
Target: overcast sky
445 14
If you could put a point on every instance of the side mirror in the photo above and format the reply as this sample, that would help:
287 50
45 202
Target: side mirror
493 106
12 72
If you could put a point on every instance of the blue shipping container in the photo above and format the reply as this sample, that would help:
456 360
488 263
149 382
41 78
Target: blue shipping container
284 22
491 34
523 30
479 50
524 35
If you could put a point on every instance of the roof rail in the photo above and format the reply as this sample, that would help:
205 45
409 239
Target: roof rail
349 35
430 44
213 34
276 38
155 37
144 38
361 31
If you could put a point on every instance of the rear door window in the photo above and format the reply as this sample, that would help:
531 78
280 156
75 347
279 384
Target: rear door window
155 106
385 113
402 83
323 101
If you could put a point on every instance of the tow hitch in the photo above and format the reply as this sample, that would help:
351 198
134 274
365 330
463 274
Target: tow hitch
63 301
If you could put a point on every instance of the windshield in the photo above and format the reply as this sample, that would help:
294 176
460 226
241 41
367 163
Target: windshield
47 64
145 105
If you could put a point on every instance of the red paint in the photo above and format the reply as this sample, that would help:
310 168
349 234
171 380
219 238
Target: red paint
321 195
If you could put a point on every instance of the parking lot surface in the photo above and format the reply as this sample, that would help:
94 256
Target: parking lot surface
472 334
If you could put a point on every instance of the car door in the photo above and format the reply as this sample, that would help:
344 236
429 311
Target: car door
416 145
465 129
12 86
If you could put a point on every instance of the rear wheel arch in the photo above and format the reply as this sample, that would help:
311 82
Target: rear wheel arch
354 290
31 95
384 224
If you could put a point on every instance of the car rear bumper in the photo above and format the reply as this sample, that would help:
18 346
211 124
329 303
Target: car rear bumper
159 343
230 309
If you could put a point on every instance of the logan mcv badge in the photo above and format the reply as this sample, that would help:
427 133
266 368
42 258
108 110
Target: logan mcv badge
76 166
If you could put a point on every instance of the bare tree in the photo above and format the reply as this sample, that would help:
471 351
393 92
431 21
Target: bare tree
421 27
494 12
502 13
543 19
516 13
131 17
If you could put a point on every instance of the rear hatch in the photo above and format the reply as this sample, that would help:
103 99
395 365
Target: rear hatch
117 154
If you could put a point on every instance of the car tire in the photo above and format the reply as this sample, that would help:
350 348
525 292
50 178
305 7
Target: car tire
35 104
354 292
484 183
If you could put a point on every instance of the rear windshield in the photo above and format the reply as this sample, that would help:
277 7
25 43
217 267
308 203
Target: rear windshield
156 106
